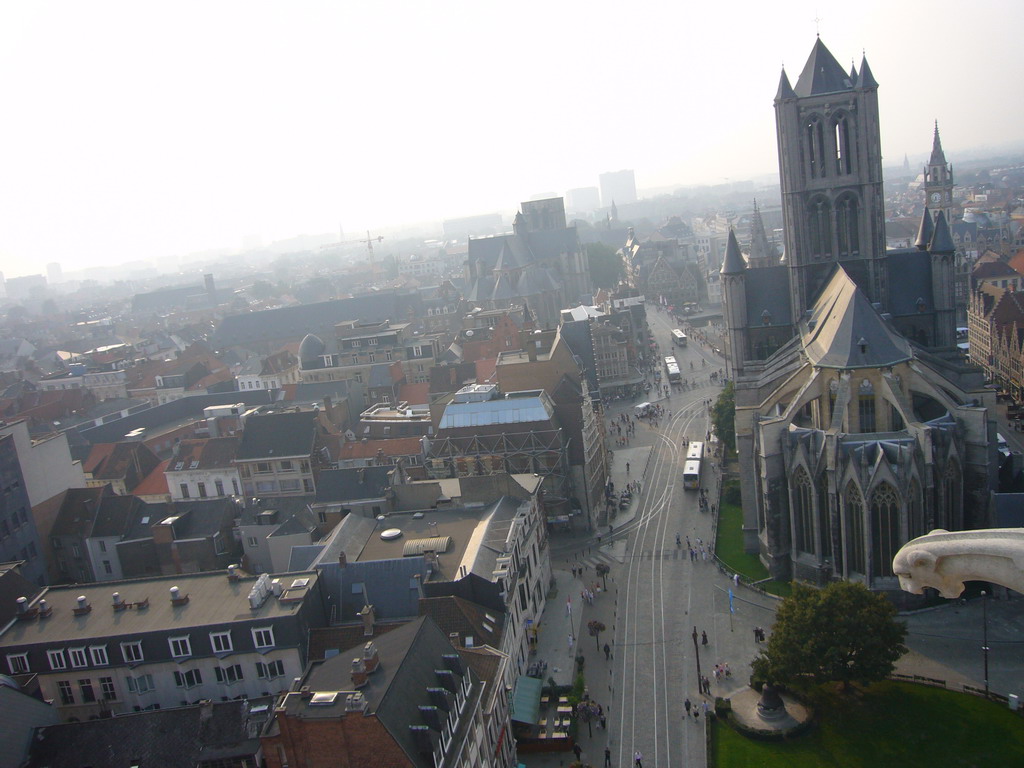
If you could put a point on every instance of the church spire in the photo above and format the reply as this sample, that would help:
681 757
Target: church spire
942 241
938 156
733 263
762 254
924 233
866 79
785 89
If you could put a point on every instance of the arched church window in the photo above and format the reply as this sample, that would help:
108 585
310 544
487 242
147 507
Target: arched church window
915 511
803 511
848 225
844 145
885 529
824 520
854 543
820 228
866 406
815 147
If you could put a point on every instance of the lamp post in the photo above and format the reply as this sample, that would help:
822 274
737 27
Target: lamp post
984 631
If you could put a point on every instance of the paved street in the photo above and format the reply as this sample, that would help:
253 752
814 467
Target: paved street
657 596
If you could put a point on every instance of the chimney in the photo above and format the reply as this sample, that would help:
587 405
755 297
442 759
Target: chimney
359 676
119 604
454 662
44 609
276 587
355 702
342 559
371 659
369 618
22 605
233 572
205 711
431 718
177 598
83 606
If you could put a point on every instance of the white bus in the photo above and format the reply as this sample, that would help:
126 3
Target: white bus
672 368
691 475
695 452
678 337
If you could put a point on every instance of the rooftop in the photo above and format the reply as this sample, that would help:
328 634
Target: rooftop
213 600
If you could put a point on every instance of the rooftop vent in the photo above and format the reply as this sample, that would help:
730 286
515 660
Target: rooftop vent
44 609
177 598
83 606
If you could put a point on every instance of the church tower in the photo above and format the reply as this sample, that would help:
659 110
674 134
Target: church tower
938 180
830 168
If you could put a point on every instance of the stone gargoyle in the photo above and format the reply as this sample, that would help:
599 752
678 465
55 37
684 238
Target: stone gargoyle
945 560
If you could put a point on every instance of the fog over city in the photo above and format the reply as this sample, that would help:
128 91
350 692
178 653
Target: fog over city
147 131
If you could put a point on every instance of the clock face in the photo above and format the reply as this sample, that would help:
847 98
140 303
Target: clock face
936 197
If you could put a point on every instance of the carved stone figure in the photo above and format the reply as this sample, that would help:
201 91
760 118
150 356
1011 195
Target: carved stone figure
945 560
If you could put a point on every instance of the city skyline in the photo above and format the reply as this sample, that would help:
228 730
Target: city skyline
142 133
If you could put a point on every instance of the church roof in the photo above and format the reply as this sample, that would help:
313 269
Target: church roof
845 331
938 156
822 74
767 290
785 89
924 233
733 263
942 241
866 79
911 271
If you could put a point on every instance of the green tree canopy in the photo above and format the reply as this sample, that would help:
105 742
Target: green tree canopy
843 633
723 416
606 269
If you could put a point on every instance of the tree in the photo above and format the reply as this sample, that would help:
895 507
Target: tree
843 633
595 628
602 570
606 269
723 416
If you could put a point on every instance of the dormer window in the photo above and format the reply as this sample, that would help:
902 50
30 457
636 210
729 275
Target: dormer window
920 304
766 318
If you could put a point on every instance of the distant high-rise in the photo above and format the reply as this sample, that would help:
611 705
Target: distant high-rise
583 199
617 187
54 274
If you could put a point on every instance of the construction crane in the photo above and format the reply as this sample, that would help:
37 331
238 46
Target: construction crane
368 241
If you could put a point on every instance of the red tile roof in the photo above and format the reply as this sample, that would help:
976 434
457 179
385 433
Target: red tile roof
155 483
395 446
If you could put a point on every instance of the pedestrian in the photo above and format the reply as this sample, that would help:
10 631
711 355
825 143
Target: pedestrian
757 635
687 705
696 715
607 651
577 750
703 638
604 722
704 704
571 638
607 757
735 579
638 759
627 469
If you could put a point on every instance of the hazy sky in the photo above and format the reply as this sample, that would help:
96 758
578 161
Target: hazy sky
144 130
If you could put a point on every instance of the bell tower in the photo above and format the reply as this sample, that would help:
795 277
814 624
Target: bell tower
830 169
938 180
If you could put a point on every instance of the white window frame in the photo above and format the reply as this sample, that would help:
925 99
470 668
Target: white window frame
141 684
58 657
188 678
217 638
263 670
132 652
78 657
257 637
229 675
17 663
179 640
98 656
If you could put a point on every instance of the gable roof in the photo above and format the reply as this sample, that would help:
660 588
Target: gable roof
845 331
337 485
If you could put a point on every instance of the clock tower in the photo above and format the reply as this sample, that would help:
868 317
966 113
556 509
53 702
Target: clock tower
938 180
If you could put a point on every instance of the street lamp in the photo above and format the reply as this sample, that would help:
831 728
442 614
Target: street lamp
984 630
696 648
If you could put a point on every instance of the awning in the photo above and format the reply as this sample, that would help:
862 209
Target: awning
526 700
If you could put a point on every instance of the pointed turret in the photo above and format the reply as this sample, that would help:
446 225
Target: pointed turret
733 263
866 79
853 73
938 156
519 223
942 241
924 233
762 253
785 89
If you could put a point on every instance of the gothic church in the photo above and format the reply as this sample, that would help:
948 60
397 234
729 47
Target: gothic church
858 424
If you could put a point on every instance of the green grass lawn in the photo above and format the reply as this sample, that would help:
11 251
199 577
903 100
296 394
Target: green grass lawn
729 548
889 724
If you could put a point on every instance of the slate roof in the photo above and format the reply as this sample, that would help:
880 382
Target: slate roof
277 436
845 331
208 453
327 642
454 614
183 737
339 485
295 322
733 263
409 656
768 289
77 511
910 274
822 74
390 586
577 335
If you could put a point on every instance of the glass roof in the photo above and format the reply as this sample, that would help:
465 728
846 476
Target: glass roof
514 411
